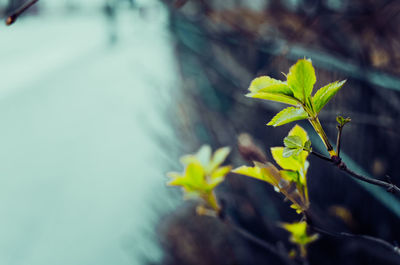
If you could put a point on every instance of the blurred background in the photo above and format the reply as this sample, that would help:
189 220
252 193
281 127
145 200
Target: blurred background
100 98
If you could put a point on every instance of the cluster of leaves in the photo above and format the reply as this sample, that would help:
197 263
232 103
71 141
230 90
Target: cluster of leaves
203 173
295 91
342 121
291 180
299 235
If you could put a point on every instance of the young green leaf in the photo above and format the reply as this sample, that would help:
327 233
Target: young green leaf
281 181
295 163
218 158
307 146
293 146
267 88
274 97
192 179
288 115
296 142
269 85
203 172
297 130
301 79
293 142
296 207
342 121
290 175
324 94
288 152
299 236
258 172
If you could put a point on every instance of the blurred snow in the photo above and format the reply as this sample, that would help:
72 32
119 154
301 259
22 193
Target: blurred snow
79 164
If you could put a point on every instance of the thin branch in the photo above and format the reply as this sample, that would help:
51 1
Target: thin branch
321 156
338 140
379 241
11 19
390 187
372 239
337 161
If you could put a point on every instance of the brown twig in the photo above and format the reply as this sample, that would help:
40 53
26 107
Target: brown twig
372 239
337 161
12 18
321 156
338 140
390 187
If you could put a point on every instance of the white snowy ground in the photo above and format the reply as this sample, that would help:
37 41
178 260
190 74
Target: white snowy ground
80 179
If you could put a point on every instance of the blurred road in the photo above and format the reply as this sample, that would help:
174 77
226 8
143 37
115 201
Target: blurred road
79 166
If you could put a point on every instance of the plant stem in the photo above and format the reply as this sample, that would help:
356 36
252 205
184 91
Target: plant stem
390 187
11 19
320 131
338 140
321 156
376 240
337 161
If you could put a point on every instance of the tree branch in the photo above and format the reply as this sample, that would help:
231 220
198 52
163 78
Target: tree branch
321 156
372 239
337 161
390 187
12 18
338 140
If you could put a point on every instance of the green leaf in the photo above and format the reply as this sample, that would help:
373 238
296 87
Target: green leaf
213 183
293 142
274 97
219 157
176 179
263 171
292 176
267 88
298 208
324 94
254 172
342 121
193 178
298 233
288 152
301 79
307 145
283 181
204 155
290 163
296 229
203 172
195 174
297 130
220 172
288 115
269 85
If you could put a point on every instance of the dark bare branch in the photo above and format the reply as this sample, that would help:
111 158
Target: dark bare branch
12 18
